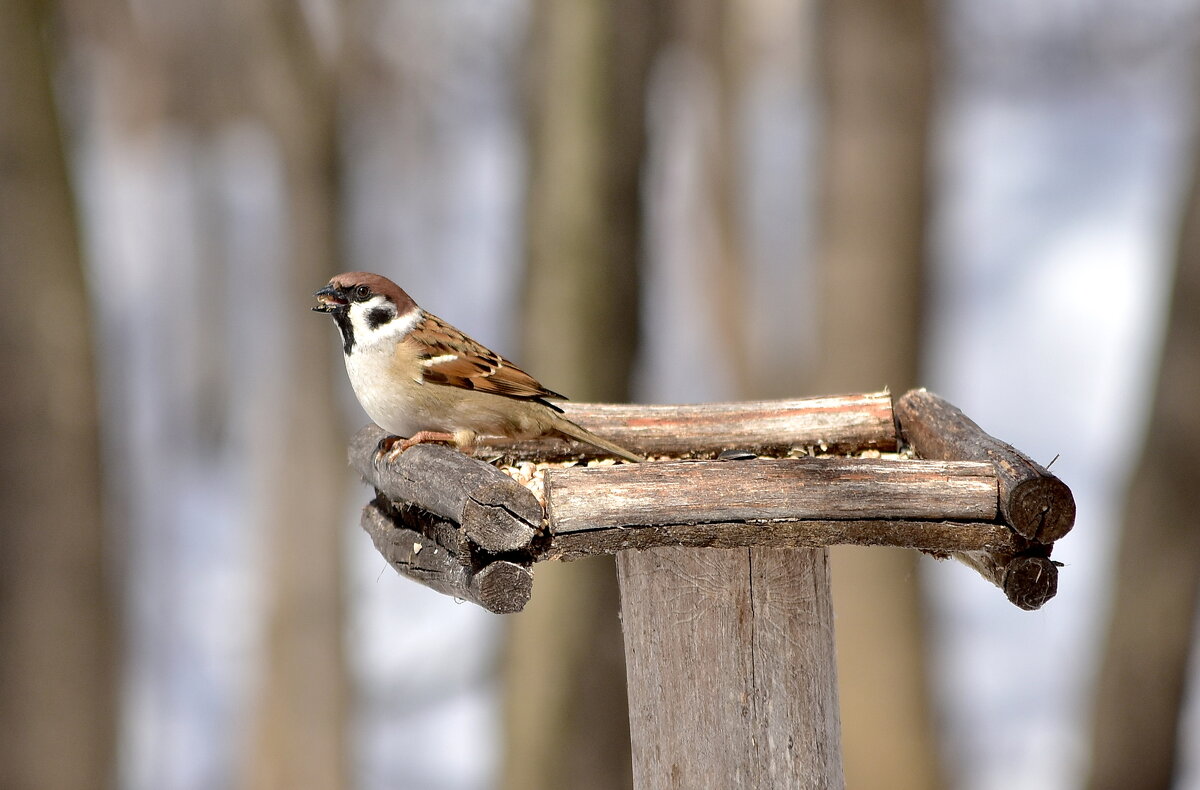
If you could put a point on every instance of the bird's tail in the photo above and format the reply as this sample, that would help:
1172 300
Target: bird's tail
573 431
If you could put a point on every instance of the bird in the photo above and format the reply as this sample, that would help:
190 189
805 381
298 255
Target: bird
422 380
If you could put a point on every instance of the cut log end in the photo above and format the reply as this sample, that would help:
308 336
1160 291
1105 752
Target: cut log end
1040 509
503 587
1030 581
1036 504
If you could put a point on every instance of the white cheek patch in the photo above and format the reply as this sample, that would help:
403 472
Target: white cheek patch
401 324
366 335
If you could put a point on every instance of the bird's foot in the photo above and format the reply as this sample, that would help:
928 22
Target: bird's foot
386 451
391 447
424 437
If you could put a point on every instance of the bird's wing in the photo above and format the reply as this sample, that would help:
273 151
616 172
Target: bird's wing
450 358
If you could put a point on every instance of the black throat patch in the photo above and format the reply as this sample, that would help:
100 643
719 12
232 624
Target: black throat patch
342 319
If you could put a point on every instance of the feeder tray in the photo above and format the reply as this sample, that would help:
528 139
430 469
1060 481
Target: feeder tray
856 469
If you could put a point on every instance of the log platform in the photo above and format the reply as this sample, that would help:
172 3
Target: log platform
861 469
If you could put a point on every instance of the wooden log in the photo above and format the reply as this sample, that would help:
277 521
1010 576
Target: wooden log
495 512
938 537
945 506
842 424
499 586
1028 580
1034 502
696 492
730 657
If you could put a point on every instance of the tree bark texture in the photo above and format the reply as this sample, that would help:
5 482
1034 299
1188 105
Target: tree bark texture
480 515
1034 502
697 492
500 586
944 508
839 424
494 513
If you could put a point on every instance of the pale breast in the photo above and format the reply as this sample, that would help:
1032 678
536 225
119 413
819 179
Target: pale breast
386 381
382 378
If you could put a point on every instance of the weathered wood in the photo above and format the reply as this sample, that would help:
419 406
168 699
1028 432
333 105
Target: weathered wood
939 537
1034 502
730 657
942 507
1028 580
842 424
694 492
494 511
414 555
952 505
500 586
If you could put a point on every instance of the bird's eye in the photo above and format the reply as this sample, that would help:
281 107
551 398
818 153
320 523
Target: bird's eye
361 293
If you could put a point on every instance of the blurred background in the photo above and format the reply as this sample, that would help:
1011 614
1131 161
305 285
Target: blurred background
679 201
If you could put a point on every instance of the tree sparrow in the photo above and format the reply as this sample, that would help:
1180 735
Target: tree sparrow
418 377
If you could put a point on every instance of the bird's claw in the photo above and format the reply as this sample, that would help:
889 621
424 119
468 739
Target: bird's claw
389 450
390 447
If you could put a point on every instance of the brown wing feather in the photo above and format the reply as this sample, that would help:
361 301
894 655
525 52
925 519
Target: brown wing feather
468 364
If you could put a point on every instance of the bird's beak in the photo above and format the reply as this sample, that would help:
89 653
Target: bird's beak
330 299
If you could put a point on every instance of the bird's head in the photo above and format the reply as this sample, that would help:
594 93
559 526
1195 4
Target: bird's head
366 308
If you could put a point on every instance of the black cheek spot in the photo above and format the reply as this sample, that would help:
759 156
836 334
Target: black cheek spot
378 317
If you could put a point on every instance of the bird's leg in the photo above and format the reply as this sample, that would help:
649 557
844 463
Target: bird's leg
421 437
390 447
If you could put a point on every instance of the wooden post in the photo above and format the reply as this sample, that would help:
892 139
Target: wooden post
732 678
721 553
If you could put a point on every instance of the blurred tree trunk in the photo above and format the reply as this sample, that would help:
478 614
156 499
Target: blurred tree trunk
567 720
300 733
876 67
1143 675
713 33
587 120
57 608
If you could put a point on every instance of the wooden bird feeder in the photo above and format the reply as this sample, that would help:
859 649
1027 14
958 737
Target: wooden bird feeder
721 551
